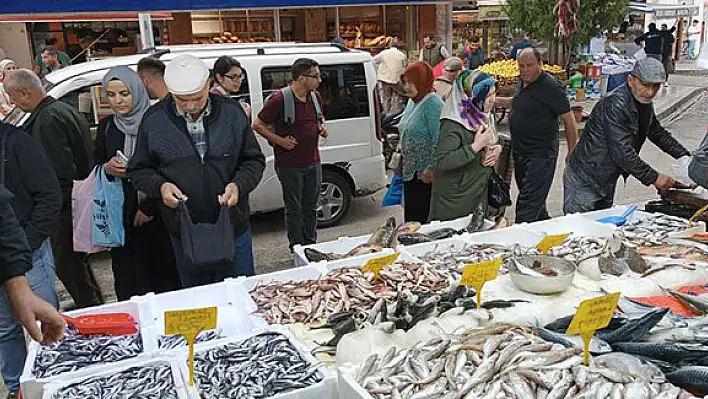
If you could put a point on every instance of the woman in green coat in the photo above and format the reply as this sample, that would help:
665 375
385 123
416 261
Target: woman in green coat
467 149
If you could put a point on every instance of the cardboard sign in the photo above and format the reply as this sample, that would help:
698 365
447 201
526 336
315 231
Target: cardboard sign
477 274
189 323
593 314
376 265
549 242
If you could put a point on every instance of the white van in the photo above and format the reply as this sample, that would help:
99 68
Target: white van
352 160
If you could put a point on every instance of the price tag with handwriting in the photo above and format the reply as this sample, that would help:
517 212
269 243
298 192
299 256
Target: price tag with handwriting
376 265
189 323
549 242
477 274
593 314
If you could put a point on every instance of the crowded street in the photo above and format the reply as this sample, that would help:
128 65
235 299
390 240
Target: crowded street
482 199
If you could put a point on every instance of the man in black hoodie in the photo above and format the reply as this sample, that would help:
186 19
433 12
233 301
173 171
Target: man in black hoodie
197 150
27 173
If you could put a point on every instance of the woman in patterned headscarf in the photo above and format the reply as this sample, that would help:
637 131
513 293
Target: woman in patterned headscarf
467 150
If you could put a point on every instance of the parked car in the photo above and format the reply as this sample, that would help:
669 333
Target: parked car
352 159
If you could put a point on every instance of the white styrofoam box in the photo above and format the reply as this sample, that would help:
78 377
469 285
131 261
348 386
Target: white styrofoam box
446 245
457 224
616 210
56 386
348 388
33 387
341 246
576 225
227 292
325 389
521 235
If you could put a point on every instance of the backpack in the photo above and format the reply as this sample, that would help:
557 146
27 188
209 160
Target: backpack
289 105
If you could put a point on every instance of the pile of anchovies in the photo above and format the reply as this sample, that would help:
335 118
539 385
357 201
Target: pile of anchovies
506 361
145 382
343 290
168 342
259 367
654 230
577 248
74 352
454 259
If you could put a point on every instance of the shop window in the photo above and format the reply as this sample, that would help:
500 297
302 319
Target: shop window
343 89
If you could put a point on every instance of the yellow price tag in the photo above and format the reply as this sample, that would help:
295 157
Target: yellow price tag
476 274
376 265
593 314
549 242
189 323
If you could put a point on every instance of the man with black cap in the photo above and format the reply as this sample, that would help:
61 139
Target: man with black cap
198 148
609 147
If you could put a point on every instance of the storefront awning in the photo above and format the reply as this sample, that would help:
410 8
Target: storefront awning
663 11
88 17
82 6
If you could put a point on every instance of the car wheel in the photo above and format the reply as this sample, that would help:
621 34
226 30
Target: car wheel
335 199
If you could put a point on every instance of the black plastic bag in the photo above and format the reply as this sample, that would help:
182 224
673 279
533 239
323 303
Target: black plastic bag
498 192
206 243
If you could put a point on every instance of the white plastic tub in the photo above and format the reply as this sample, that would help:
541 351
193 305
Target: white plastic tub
576 225
56 386
348 388
509 236
344 263
456 224
325 389
340 246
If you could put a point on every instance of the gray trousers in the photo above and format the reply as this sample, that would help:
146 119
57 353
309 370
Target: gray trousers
580 196
301 196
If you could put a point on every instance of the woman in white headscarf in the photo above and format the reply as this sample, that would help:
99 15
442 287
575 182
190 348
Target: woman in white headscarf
6 106
145 263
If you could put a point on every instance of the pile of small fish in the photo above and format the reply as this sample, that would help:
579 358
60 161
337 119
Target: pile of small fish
654 230
454 259
74 352
168 342
259 367
506 361
147 382
346 289
577 248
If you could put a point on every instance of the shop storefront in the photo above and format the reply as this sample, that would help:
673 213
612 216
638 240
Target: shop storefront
484 19
107 34
362 27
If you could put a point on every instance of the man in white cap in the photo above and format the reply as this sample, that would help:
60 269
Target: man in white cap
613 138
199 148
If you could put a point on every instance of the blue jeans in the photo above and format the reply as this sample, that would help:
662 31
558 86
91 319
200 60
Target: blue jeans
581 196
692 49
13 349
240 265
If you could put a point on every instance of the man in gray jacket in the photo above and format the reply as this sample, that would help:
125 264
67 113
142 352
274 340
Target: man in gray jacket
698 168
613 137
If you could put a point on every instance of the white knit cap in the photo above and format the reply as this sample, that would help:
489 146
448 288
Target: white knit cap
186 74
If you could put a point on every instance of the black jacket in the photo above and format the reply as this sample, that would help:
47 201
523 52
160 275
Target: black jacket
15 256
65 136
653 41
610 144
30 177
109 140
165 152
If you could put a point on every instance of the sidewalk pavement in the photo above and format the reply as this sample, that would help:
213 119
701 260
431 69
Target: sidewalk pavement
689 67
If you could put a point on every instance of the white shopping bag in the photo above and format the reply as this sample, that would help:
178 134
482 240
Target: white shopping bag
679 171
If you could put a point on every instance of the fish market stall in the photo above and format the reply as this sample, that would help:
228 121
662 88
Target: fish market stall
392 313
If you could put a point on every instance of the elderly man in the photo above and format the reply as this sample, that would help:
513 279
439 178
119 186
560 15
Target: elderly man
443 84
64 134
391 64
199 148
539 101
152 73
609 148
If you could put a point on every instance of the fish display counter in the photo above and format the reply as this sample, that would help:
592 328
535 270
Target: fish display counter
406 326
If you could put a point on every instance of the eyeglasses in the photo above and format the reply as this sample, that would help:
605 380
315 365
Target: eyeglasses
235 77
